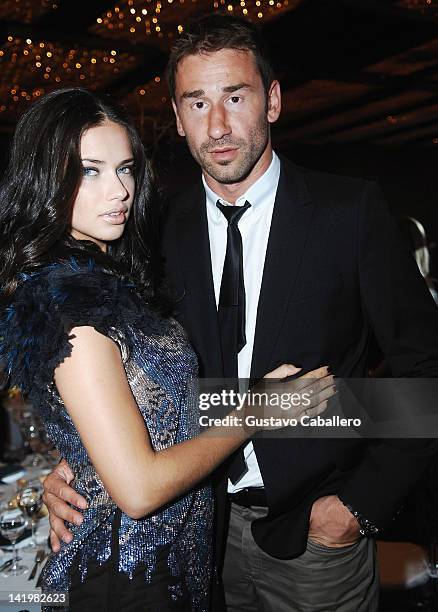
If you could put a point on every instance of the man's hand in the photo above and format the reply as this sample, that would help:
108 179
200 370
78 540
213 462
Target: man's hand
332 524
56 494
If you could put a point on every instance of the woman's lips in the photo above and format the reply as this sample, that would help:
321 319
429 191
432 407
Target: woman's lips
115 218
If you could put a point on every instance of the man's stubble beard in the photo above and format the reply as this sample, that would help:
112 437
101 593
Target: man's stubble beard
250 151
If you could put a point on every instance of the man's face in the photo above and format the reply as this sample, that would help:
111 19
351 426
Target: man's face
224 112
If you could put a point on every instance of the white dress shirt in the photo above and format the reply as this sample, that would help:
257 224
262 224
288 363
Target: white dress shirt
254 227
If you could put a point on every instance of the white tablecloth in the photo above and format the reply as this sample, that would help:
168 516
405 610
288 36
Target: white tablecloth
19 585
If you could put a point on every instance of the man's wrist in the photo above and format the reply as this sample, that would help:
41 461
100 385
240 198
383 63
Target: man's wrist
366 527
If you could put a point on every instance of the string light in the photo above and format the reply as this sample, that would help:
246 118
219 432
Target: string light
94 68
55 64
128 15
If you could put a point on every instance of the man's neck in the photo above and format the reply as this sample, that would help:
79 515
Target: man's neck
231 192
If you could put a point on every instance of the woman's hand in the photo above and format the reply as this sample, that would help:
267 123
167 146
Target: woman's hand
307 395
283 371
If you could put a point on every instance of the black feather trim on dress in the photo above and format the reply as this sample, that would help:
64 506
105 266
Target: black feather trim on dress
35 329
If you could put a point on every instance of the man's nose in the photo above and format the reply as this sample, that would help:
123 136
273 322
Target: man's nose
218 125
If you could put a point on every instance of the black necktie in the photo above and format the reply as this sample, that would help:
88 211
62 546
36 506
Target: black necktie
231 311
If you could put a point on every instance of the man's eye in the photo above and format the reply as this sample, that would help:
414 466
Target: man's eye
235 99
199 105
89 171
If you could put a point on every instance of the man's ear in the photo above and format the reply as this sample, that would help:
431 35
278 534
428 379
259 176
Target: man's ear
274 102
179 126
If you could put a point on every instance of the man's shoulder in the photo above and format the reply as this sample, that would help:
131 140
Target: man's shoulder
325 185
180 209
344 198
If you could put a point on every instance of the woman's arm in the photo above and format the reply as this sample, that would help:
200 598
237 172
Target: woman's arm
93 385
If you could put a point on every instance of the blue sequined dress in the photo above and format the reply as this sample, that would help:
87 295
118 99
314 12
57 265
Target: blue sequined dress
161 368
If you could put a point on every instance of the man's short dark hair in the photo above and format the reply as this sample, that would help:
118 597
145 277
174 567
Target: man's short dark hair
213 33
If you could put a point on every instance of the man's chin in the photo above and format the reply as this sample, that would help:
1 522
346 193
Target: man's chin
224 173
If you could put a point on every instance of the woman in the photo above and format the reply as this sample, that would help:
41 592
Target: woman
86 336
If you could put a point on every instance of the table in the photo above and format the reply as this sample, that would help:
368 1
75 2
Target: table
21 584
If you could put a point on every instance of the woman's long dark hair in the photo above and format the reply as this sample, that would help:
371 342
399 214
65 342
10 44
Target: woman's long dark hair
40 184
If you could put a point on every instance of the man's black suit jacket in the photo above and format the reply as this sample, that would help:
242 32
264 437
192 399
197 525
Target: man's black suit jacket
335 273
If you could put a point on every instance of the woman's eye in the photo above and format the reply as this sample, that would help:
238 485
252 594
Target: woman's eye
89 171
125 170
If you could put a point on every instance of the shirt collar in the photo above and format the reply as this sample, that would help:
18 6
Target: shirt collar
264 187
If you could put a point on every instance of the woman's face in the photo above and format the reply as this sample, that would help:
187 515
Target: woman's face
106 192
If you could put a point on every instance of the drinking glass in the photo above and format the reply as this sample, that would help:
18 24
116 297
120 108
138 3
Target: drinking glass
30 429
12 525
30 502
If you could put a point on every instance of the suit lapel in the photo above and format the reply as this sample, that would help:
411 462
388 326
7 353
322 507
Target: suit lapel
200 313
291 219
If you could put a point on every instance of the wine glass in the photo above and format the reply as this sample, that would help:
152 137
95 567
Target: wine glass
30 430
12 525
30 502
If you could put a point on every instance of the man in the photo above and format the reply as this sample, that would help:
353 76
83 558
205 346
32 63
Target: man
318 254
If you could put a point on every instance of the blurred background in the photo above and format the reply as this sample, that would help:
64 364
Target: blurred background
360 97
359 79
